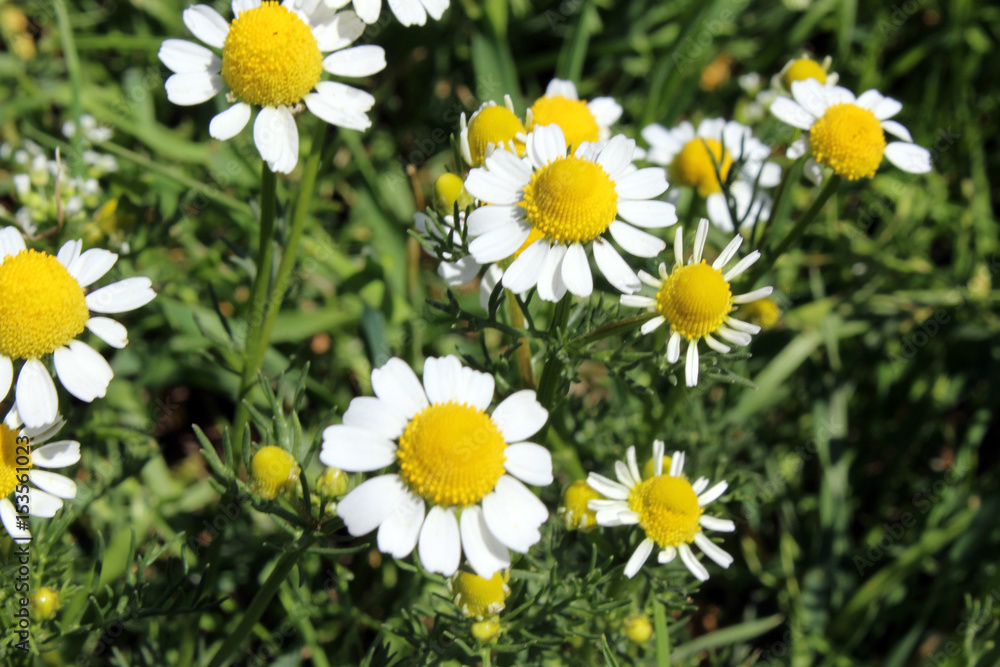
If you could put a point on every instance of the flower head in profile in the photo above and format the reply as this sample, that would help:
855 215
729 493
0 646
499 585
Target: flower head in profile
24 459
580 120
271 56
699 158
802 68
408 12
547 208
478 597
667 507
469 467
847 134
490 127
44 308
695 299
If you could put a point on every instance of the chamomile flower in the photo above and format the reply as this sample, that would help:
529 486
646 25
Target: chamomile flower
450 455
847 134
667 507
491 126
549 206
20 460
408 12
272 57
44 307
580 120
695 299
692 157
802 68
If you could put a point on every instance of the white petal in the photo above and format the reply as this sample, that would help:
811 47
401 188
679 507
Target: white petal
338 33
192 88
54 483
375 416
712 550
616 156
356 61
607 487
886 108
182 56
691 561
714 523
82 370
499 243
700 485
742 265
545 144
576 271
56 454
368 10
443 379
615 269
530 463
435 7
652 325
789 112
6 376
366 507
635 241
659 451
398 532
638 558
667 555
485 553
813 97
909 157
440 546
9 517
756 295
478 388
520 416
674 347
550 283
700 236
513 514
637 301
624 475
229 123
355 449
651 214
561 88
11 242
43 504
718 211
605 110
712 494
277 138
894 128
398 387
691 365
240 6
486 219
716 345
524 272
122 296
35 395
409 12
91 265
459 272
207 25
677 464
798 148
332 111
110 331
642 184
735 337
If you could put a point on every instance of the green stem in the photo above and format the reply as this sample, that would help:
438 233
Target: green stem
612 329
524 351
551 372
75 80
662 634
260 602
258 296
829 188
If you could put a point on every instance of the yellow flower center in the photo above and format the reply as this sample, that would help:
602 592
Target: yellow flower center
570 200
42 307
573 116
449 189
694 166
802 69
272 470
765 313
493 125
849 140
480 597
574 510
695 299
451 454
8 461
668 509
270 57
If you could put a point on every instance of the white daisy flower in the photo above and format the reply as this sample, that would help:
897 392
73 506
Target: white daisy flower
846 133
580 120
491 126
667 507
692 156
453 456
550 205
44 307
20 460
802 68
408 12
696 299
272 56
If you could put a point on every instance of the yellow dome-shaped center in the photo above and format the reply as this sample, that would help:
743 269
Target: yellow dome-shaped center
495 125
272 471
577 122
695 299
668 509
9 473
849 140
694 166
480 597
42 307
270 57
802 69
570 200
451 454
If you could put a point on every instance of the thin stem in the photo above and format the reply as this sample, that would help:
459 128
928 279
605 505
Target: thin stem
612 329
258 295
829 188
662 634
524 350
549 380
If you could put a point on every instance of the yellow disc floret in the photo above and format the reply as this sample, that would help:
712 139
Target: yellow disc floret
270 57
9 474
495 125
42 307
695 299
478 597
802 69
451 454
570 200
574 510
272 470
577 122
849 140
694 166
668 509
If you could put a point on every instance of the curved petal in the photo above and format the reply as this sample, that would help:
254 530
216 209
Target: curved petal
84 372
615 269
356 61
122 296
513 514
110 331
398 532
35 395
355 449
366 507
639 557
443 379
56 454
523 273
576 273
181 56
440 546
373 415
207 25
91 265
520 416
277 138
190 88
54 483
909 157
17 531
530 463
483 550
227 124
635 241
397 385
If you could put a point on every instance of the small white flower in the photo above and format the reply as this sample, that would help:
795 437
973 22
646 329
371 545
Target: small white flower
408 12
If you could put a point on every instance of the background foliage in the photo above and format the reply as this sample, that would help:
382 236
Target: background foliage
863 469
